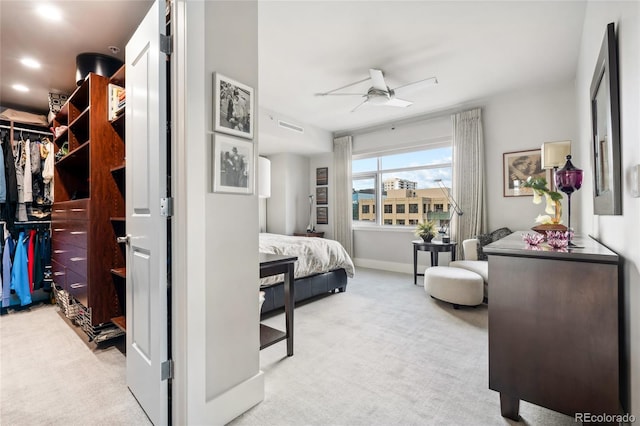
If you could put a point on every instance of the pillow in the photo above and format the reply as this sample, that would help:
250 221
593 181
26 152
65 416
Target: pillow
484 239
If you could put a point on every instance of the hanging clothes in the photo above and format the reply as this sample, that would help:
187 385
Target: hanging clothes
19 273
31 257
21 209
3 179
6 269
47 169
9 208
28 178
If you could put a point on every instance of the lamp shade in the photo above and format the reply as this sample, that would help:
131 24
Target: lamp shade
569 178
264 177
554 153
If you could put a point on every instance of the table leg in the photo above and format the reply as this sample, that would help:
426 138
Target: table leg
453 253
289 307
434 258
415 264
509 406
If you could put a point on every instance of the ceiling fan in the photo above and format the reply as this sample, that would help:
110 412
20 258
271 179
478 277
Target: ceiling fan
379 93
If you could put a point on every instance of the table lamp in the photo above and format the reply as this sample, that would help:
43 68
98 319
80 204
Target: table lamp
568 180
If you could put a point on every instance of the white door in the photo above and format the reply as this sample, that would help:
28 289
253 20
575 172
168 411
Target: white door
146 184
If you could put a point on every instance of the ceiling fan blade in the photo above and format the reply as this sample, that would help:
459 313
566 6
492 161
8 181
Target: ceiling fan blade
343 87
339 94
397 103
417 84
360 104
377 80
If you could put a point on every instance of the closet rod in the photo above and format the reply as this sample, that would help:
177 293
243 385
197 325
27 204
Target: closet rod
26 130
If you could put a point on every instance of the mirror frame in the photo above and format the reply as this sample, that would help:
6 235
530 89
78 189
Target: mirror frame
606 148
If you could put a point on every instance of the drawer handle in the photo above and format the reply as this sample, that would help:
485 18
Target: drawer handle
77 259
77 232
78 210
77 285
58 273
59 229
59 251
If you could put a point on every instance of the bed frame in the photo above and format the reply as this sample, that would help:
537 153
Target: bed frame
305 288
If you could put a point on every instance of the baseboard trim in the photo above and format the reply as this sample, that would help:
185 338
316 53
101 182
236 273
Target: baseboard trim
404 268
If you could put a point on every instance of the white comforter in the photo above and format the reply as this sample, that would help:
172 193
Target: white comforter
315 255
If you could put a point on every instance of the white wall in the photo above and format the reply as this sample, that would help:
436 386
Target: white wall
275 139
620 233
288 207
520 121
218 330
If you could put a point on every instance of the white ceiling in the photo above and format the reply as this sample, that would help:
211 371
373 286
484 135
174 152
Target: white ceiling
476 49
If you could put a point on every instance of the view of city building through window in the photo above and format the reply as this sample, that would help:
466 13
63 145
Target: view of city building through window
403 187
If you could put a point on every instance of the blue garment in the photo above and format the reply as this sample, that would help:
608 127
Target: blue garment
20 271
6 273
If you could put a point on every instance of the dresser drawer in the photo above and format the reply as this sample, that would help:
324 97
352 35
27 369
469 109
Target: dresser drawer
72 257
72 232
70 210
59 274
78 286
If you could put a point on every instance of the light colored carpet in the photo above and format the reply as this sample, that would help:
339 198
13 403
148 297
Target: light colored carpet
384 353
49 376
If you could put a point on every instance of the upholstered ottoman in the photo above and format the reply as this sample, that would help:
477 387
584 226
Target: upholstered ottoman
454 285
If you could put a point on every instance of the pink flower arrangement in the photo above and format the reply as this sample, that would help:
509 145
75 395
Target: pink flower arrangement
533 239
559 239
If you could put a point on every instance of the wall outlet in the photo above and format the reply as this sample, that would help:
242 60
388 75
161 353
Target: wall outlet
635 181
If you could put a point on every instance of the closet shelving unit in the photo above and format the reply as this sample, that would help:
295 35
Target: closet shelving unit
118 173
86 198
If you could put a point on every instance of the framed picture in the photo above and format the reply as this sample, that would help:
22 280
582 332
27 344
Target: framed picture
233 108
322 215
322 176
516 169
233 168
321 195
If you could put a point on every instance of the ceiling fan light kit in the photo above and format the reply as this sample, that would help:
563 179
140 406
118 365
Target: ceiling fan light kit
379 94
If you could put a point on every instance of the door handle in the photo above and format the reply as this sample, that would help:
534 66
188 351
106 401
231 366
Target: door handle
126 239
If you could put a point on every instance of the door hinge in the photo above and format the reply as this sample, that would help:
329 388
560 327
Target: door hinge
166 206
166 370
166 44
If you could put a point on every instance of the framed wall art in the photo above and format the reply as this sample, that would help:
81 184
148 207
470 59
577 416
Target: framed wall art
322 176
322 215
517 167
322 195
233 107
233 168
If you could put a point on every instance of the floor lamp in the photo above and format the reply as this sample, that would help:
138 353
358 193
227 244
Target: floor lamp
264 183
453 205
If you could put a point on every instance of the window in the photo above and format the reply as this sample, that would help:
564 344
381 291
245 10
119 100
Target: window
401 178
438 207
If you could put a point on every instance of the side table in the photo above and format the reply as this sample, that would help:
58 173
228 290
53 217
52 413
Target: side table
434 247
309 234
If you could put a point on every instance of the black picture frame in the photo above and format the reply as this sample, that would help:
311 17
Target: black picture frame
322 176
322 215
322 195
605 129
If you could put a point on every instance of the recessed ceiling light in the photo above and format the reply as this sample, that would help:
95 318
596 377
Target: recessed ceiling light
30 62
49 12
20 88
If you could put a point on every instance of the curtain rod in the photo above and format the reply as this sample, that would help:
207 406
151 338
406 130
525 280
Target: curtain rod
26 130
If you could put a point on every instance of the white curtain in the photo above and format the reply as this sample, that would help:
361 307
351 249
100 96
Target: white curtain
343 208
468 175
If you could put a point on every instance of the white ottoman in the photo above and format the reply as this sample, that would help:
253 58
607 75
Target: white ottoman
454 285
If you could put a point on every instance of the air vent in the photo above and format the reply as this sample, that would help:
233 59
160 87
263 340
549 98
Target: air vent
290 126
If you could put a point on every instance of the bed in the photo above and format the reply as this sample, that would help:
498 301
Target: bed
323 266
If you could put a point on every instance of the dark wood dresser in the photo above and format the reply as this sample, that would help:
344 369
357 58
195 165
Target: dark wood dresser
553 326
